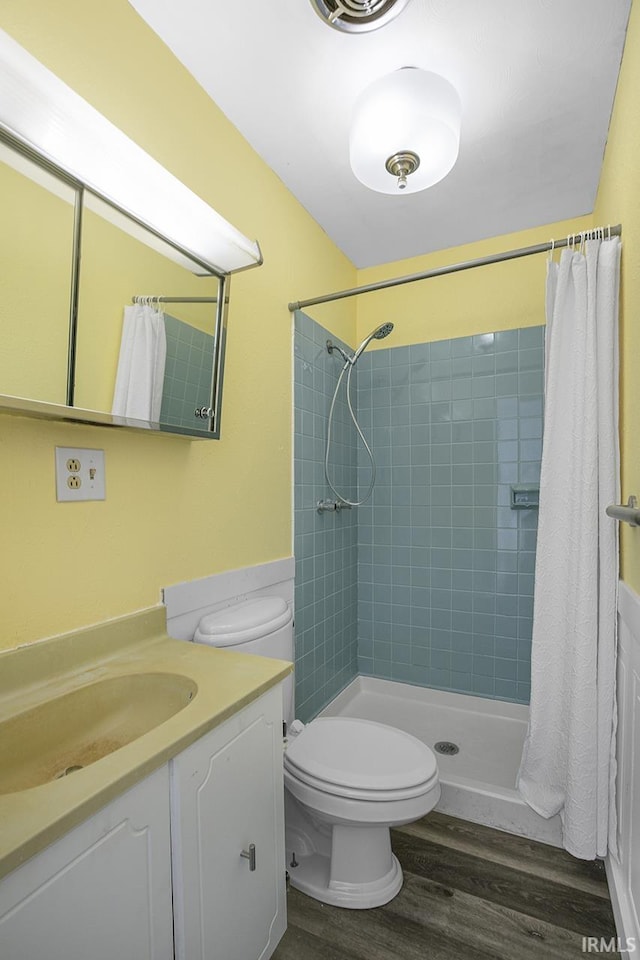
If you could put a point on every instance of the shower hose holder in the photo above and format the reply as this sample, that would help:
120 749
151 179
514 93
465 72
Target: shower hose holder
332 506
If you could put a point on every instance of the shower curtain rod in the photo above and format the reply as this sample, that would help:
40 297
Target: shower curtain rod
464 265
175 299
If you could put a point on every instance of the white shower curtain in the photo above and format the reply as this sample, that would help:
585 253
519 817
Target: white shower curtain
140 374
568 763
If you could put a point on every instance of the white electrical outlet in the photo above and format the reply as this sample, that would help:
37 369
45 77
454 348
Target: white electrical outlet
79 474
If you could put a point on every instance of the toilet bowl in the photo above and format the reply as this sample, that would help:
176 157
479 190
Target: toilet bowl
347 781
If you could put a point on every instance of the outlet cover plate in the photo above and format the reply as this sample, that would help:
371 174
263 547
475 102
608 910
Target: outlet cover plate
79 474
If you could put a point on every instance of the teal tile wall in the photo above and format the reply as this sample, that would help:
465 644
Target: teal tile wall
325 545
445 566
187 375
431 582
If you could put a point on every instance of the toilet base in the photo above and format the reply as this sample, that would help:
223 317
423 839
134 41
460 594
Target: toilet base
344 864
312 876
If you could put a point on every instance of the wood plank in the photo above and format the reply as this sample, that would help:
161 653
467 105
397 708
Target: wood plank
377 934
532 896
299 944
538 859
482 925
518 852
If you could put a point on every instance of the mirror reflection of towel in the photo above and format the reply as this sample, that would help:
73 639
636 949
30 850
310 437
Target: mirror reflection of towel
140 374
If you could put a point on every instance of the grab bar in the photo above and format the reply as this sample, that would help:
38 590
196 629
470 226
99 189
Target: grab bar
626 514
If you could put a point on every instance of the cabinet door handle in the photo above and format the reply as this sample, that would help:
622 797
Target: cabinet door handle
250 855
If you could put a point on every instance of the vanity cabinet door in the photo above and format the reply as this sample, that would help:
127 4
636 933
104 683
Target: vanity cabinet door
102 891
227 793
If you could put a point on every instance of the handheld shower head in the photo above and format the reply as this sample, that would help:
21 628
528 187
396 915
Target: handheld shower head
378 334
349 363
383 331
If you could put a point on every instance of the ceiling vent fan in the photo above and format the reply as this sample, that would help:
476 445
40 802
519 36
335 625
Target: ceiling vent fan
358 16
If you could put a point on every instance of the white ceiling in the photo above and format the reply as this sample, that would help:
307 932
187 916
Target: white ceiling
536 78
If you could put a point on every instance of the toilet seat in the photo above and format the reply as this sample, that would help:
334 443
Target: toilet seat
379 796
361 760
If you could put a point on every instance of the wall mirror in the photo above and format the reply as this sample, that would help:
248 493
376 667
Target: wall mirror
84 289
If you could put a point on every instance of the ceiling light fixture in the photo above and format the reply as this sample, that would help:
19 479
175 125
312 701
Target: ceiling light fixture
405 131
358 16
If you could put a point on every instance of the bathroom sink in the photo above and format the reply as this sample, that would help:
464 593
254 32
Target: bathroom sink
61 736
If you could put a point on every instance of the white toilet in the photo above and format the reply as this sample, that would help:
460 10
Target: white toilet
347 781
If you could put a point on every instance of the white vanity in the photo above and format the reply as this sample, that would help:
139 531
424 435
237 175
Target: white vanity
187 862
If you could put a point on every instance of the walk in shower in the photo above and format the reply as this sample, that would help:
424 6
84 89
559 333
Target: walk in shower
425 592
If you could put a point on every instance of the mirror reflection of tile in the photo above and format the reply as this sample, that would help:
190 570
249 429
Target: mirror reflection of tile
187 376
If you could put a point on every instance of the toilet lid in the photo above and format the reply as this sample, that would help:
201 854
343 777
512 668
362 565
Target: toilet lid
243 622
360 754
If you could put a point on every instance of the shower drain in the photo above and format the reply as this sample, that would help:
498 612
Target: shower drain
446 747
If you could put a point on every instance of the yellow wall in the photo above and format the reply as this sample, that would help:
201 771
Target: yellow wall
175 509
496 297
619 202
36 253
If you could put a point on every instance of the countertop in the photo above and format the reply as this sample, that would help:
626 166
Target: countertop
32 818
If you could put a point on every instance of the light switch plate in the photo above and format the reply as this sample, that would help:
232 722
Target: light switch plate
79 474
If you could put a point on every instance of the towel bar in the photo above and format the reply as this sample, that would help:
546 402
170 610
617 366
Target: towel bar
626 514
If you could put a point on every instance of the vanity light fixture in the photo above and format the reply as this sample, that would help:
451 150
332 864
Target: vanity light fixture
358 16
405 131
43 113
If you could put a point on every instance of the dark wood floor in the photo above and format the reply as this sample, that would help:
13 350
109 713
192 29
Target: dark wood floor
470 893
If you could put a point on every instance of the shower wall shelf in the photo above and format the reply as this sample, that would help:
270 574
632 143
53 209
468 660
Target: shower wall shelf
525 496
628 513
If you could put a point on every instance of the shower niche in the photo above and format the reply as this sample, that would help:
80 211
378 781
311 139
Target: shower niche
72 262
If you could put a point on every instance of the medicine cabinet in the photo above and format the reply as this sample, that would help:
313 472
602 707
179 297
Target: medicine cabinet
92 225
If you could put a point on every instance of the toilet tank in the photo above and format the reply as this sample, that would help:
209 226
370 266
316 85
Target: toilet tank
262 626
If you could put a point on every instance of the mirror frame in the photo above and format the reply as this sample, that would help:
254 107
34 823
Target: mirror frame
22 406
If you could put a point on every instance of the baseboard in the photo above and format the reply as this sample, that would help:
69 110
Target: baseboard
623 911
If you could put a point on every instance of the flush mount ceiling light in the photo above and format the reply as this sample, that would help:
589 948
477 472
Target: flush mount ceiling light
405 131
42 112
358 16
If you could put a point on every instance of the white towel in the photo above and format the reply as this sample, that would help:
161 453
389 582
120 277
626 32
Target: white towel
140 376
